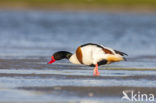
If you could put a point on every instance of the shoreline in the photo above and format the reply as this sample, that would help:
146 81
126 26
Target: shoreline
79 8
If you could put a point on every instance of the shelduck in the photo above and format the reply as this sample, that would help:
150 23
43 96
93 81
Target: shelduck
90 54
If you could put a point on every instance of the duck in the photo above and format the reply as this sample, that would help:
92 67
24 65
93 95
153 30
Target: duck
90 54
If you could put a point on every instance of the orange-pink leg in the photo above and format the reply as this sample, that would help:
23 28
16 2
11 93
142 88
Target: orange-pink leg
95 72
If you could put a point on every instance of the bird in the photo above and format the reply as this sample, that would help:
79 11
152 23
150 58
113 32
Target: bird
90 54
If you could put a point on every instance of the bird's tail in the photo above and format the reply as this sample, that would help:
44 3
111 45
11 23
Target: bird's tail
125 59
121 53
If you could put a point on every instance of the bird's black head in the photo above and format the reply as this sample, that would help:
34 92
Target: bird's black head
60 55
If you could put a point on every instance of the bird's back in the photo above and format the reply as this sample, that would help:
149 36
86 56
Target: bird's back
90 53
93 53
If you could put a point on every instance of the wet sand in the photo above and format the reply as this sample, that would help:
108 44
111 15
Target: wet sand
32 80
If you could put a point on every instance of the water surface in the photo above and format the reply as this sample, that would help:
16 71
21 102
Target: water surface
28 39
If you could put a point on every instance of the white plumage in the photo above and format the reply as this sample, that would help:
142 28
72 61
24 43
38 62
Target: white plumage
73 59
92 54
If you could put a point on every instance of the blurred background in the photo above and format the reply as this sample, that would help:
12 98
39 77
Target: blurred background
40 27
32 30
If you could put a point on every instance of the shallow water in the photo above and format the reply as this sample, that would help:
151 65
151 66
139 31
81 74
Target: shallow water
32 80
28 38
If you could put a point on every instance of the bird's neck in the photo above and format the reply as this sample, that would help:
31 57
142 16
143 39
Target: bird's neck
68 55
73 59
